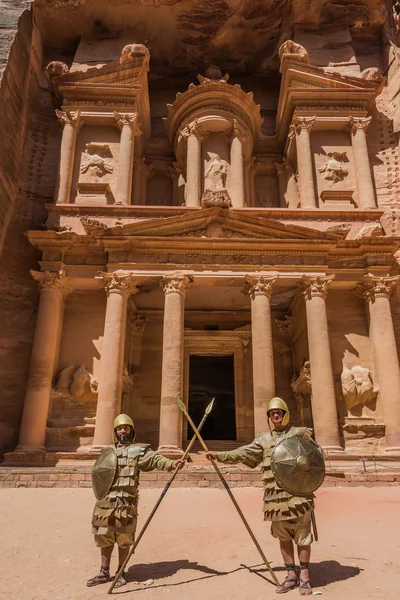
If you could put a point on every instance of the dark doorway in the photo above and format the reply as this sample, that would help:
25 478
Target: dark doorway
209 377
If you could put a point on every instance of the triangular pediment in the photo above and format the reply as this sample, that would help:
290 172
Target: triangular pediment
217 223
112 73
299 75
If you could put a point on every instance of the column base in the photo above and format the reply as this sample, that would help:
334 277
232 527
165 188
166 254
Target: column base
30 449
98 448
392 450
330 449
173 452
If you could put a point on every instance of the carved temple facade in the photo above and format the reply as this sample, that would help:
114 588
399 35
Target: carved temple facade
215 259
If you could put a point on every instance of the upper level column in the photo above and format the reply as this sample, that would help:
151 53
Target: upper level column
71 122
301 127
129 127
323 400
118 288
53 288
377 291
175 287
237 166
260 290
365 186
193 164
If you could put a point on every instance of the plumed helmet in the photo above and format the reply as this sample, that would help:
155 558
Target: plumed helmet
278 403
123 420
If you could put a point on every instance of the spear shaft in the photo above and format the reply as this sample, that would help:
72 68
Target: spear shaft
165 490
226 486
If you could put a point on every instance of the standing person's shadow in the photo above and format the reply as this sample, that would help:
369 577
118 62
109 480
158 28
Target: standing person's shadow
160 570
329 571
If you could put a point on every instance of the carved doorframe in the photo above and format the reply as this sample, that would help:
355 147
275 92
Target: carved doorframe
225 343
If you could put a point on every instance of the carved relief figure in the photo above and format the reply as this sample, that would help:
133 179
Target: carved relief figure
75 383
333 168
95 160
357 386
215 192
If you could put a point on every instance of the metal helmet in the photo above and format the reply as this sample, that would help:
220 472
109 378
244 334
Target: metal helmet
278 403
123 420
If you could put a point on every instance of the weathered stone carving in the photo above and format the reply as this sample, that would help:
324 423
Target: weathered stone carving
95 160
333 168
371 74
128 383
75 383
56 281
118 283
290 47
133 51
357 386
56 68
215 192
256 286
213 74
176 282
315 286
376 287
374 230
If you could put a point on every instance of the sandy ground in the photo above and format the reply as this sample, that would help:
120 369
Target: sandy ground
197 547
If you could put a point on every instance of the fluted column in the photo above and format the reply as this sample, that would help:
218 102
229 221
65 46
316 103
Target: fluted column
323 400
129 127
282 183
175 287
71 122
118 288
365 186
53 289
260 289
302 127
236 188
193 164
377 291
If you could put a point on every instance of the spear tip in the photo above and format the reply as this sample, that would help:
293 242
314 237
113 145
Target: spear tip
210 407
181 404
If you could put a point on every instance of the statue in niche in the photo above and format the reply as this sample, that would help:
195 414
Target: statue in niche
96 160
75 383
73 396
215 192
357 386
333 168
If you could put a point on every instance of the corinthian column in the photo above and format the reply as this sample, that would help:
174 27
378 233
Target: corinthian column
323 400
377 291
301 127
260 289
236 189
71 122
118 288
175 287
365 186
193 164
53 288
129 127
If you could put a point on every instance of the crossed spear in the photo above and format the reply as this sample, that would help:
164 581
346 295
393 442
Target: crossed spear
168 485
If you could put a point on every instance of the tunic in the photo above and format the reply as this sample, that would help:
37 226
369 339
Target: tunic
117 511
279 505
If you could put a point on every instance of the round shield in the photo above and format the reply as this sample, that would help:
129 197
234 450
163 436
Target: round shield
103 472
298 465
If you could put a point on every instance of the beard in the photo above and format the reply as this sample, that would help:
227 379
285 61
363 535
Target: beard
124 438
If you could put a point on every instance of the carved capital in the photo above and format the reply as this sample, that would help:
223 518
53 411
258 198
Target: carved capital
55 281
260 286
138 324
359 123
377 287
238 131
300 124
193 129
56 68
127 120
176 283
280 168
312 287
115 283
67 117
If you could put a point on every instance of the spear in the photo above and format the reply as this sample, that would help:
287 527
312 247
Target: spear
165 490
226 486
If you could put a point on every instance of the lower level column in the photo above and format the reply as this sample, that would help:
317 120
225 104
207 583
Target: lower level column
53 288
118 289
175 287
323 400
377 291
260 289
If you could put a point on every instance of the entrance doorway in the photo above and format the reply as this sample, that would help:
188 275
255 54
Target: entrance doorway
213 376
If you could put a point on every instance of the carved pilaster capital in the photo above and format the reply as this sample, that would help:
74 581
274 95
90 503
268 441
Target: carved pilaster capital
67 117
116 283
288 164
238 131
260 286
376 287
55 281
359 124
300 124
280 169
138 324
127 120
176 283
312 287
193 129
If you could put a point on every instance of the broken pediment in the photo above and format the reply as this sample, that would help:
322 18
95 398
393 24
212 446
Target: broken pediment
217 223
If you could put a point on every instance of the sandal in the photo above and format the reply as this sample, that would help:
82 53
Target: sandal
305 588
121 579
102 577
293 581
